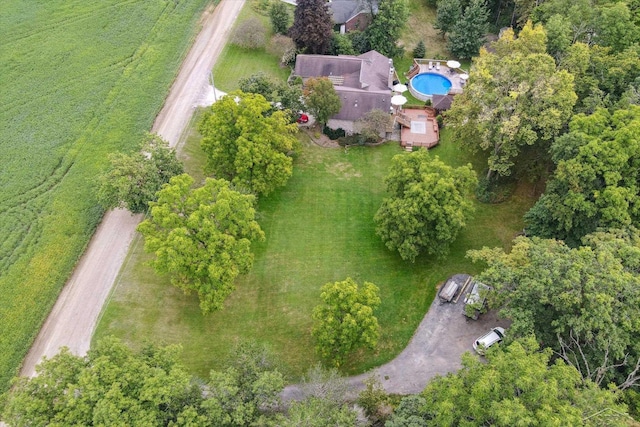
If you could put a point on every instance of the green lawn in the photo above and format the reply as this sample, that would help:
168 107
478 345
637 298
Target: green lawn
235 62
319 229
78 80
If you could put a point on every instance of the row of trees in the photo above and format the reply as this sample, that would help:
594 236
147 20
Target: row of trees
560 99
518 385
113 385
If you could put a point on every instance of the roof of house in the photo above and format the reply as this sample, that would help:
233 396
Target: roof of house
343 10
356 103
362 82
368 71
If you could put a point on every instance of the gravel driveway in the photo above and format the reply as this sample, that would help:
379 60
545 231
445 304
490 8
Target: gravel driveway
435 349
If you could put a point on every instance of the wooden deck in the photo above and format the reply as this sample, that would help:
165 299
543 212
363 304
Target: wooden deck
419 127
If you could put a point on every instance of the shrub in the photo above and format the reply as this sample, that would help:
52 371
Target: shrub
333 133
420 51
250 34
283 47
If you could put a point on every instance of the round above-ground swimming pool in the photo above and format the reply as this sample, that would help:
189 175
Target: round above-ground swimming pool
424 85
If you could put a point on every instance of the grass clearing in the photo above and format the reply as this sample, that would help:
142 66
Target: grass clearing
319 229
78 80
235 62
420 27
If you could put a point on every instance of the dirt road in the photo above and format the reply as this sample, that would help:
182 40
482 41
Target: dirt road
73 318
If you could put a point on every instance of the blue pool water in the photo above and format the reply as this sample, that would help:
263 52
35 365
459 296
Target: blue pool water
431 84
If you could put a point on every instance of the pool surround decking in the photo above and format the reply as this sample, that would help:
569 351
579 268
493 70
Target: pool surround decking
452 74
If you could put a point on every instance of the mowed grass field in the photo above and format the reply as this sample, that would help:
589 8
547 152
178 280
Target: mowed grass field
78 80
319 229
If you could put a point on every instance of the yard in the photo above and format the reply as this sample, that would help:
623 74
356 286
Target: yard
319 228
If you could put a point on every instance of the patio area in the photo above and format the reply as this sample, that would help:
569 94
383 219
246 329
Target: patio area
457 76
419 127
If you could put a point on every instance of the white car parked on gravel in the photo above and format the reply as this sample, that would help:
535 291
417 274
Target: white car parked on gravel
484 342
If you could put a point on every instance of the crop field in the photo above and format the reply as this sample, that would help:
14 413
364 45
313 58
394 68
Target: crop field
78 80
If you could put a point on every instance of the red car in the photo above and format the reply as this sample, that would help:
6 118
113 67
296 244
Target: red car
302 118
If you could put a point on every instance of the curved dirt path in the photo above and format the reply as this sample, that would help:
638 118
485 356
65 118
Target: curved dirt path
73 318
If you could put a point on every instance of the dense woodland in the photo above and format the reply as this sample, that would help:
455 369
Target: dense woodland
555 100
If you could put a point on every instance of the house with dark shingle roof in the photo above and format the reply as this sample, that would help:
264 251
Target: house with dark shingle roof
363 82
353 14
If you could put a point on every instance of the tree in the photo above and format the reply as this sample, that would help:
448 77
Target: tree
279 15
449 12
323 404
321 98
583 303
202 237
111 385
345 321
468 33
420 50
427 207
312 26
515 97
516 386
595 184
373 124
276 92
241 394
341 45
133 179
247 146
387 25
250 34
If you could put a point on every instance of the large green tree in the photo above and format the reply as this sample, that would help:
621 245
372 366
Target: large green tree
583 303
321 98
246 145
387 25
276 92
312 26
597 180
344 321
448 14
428 205
133 179
111 385
515 97
467 32
279 16
243 393
201 237
518 386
